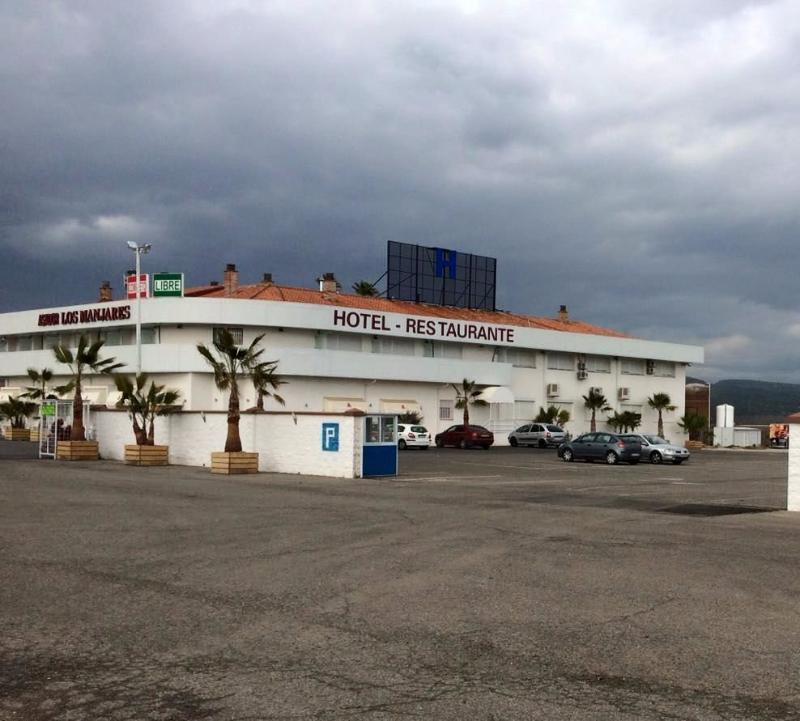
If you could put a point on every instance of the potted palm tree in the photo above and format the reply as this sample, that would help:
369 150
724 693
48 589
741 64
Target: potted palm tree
693 424
84 360
595 401
144 403
364 287
229 362
17 411
661 402
467 394
39 392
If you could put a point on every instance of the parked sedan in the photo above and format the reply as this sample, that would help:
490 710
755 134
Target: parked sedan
537 434
465 437
656 450
608 447
409 436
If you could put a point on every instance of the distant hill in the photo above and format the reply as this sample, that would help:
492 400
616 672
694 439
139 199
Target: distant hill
756 402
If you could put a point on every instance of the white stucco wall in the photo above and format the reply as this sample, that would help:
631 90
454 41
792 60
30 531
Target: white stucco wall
286 443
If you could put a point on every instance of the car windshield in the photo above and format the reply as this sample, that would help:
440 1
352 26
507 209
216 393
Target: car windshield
419 429
656 440
478 428
555 429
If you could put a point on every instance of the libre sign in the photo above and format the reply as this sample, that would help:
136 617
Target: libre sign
168 284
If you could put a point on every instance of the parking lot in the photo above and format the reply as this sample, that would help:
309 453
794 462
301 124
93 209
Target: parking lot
477 585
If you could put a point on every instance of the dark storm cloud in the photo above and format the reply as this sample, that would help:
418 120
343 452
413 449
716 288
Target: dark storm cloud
634 160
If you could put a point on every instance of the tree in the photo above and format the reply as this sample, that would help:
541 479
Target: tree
144 404
693 424
40 379
553 414
595 401
661 402
85 359
412 418
364 287
229 362
627 421
266 383
17 410
467 394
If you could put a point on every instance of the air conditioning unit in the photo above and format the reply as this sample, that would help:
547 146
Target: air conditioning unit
624 394
552 390
582 374
651 367
581 364
596 390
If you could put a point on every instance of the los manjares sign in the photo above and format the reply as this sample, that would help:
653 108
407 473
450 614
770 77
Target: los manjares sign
102 314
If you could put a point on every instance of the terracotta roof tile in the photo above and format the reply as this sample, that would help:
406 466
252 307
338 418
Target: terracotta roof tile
269 291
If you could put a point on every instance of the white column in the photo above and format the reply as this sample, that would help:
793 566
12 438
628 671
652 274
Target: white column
793 485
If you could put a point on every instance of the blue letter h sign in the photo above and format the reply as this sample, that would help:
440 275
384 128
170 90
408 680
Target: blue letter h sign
448 262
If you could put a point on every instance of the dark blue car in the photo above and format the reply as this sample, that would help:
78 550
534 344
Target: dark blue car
601 446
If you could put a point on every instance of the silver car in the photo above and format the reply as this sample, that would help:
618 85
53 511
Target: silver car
657 450
538 434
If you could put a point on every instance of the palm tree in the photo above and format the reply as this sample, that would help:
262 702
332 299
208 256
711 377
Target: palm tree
364 287
563 417
411 418
85 359
625 421
692 423
144 404
546 416
266 383
17 410
467 394
40 379
595 401
230 361
661 402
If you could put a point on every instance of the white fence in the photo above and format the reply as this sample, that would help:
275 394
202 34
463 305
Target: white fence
285 442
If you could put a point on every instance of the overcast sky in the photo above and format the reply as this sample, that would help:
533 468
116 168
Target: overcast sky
638 161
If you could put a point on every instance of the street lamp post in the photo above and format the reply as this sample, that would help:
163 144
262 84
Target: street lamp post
140 250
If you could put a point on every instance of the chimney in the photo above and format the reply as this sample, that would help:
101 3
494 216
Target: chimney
213 283
267 279
106 292
231 279
328 283
563 315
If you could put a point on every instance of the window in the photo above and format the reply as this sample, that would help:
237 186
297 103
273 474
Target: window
393 346
445 410
598 364
434 349
237 333
561 361
36 342
632 366
3 344
338 341
518 357
524 409
151 335
664 369
24 342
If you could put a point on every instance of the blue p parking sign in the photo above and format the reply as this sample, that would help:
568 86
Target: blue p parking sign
330 436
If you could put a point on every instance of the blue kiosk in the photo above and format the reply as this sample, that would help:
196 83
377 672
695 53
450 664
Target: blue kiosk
379 445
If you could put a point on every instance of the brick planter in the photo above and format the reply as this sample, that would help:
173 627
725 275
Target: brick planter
695 445
18 434
146 455
77 451
231 463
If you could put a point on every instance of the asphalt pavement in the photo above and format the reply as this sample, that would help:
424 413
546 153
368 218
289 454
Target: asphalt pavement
499 584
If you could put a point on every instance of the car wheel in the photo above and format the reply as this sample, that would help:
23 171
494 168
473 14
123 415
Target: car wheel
513 442
678 461
439 443
486 448
401 444
611 458
655 457
567 455
425 448
463 445
542 443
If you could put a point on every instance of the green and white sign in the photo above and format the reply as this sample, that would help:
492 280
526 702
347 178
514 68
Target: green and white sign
167 284
48 409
